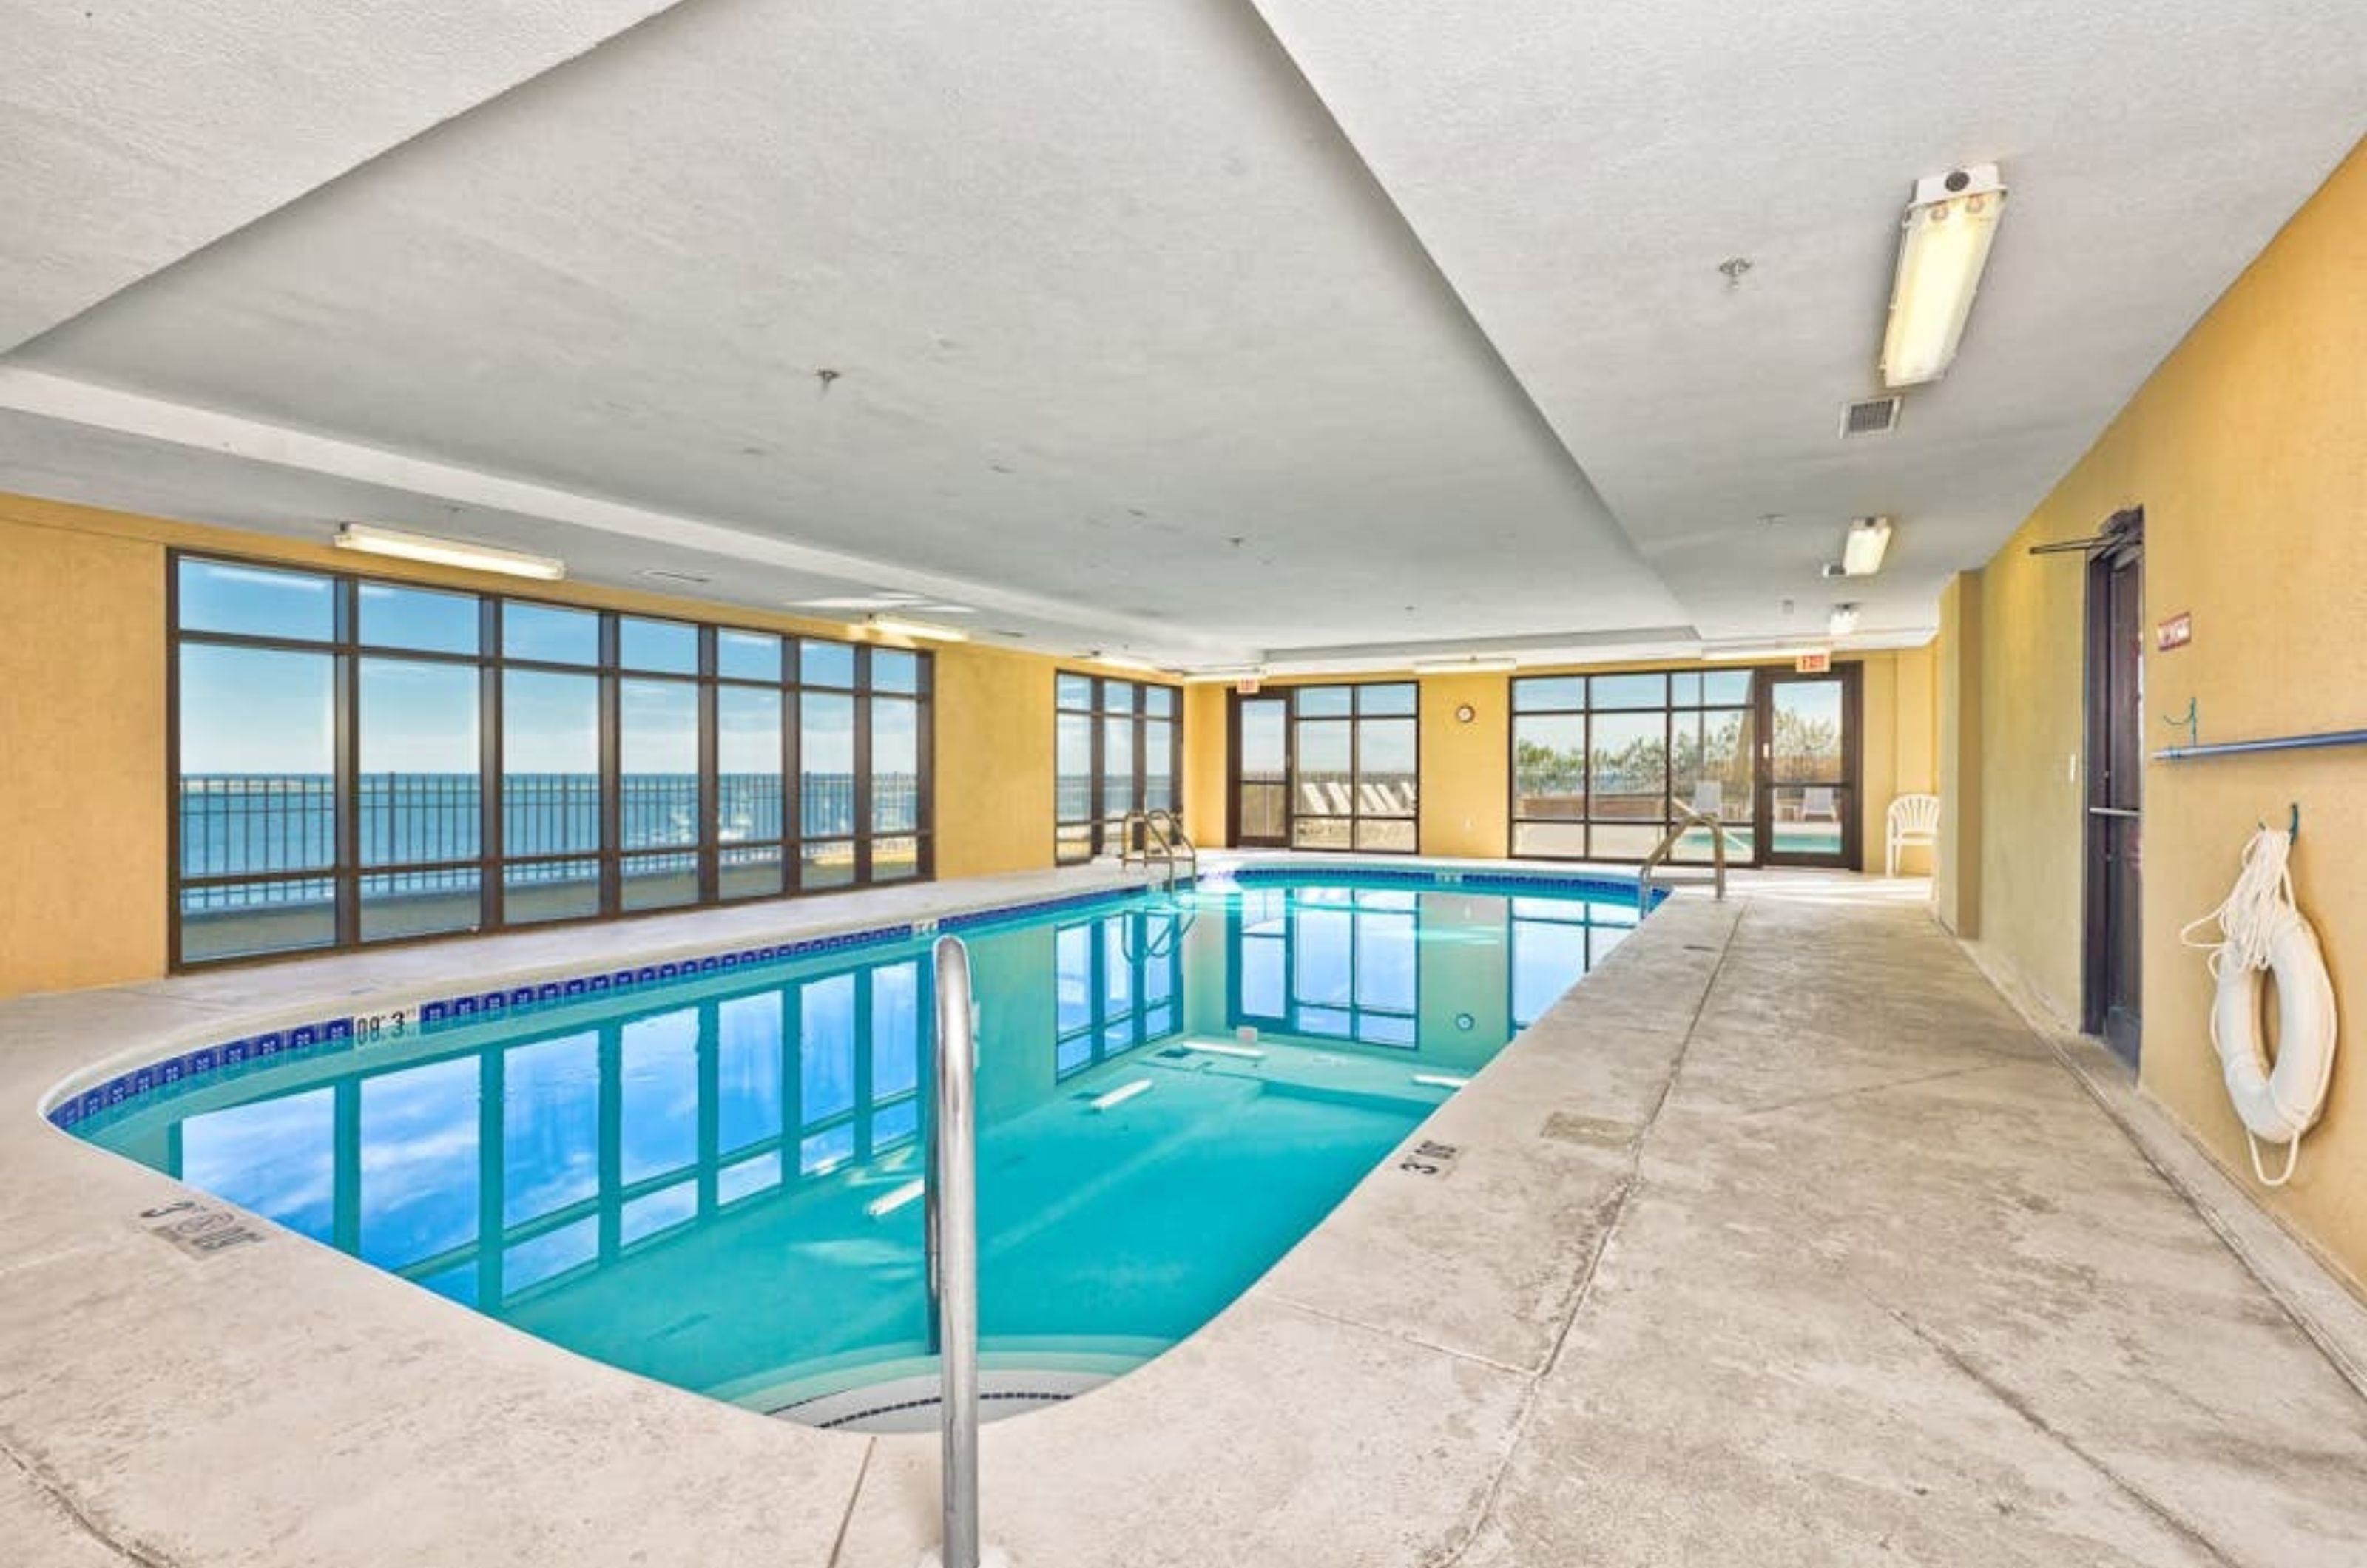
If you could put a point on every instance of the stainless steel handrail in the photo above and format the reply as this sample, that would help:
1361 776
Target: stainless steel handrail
1162 836
1687 821
953 1250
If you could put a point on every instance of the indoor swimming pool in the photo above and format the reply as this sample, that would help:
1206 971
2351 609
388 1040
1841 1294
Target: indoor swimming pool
716 1181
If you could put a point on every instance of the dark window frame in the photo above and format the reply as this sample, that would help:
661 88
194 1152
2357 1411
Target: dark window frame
346 873
1097 823
1355 719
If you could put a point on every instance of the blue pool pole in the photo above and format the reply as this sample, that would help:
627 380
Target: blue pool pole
953 1250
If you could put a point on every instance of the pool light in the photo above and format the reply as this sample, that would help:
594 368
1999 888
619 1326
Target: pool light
1943 244
376 541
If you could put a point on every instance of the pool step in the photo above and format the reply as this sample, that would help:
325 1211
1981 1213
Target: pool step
910 1405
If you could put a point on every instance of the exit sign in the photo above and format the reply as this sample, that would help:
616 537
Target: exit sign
2175 632
1247 687
1819 662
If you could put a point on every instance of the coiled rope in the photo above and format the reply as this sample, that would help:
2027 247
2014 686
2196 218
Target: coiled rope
2256 911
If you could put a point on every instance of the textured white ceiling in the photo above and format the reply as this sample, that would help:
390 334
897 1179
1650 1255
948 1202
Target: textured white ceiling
1151 331
135 133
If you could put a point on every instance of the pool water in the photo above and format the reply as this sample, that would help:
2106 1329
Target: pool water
717 1183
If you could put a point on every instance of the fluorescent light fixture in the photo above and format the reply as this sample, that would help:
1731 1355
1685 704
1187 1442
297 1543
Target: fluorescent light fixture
1868 542
1227 673
376 541
1478 664
1843 620
920 631
1944 244
1771 651
1126 661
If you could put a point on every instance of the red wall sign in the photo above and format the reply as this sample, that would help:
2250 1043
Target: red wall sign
1813 663
2175 632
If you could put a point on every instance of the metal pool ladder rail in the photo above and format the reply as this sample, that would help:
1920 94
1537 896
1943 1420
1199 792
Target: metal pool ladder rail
1163 842
953 1251
1687 821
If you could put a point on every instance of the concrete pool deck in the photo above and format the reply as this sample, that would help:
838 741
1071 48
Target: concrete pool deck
1782 1239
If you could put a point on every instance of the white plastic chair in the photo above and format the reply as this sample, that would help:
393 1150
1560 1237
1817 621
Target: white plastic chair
1914 820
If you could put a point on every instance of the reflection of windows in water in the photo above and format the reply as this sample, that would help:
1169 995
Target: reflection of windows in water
1553 941
1119 983
1333 964
601 1140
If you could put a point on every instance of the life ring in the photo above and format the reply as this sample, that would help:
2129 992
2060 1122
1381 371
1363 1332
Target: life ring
2278 1101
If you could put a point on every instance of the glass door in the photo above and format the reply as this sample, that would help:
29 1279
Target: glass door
1262 790
1807 768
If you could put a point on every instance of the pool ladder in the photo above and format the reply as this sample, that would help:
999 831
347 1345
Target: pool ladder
1162 842
1687 821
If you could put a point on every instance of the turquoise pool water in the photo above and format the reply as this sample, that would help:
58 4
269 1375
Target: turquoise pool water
716 1183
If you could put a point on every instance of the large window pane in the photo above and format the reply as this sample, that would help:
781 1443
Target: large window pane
420 619
895 765
1117 767
1387 777
670 647
894 669
550 762
1326 783
1550 769
748 655
1538 694
748 764
826 765
223 596
258 761
1073 768
1631 691
1394 701
1158 765
826 663
550 890
419 763
552 635
1628 770
657 751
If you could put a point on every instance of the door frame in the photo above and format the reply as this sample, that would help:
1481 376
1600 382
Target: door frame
2120 545
1234 838
1850 678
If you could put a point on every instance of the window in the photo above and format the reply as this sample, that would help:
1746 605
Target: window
358 760
1117 748
1600 761
1355 768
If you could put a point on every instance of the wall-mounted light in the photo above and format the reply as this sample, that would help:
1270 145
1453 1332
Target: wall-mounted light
1942 246
921 631
1478 664
1868 542
1843 620
372 540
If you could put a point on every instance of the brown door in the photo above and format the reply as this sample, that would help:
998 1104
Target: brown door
2112 989
1807 768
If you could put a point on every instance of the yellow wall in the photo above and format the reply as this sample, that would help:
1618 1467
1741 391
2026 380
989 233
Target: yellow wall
1466 768
1208 812
82 759
1956 658
2248 449
84 798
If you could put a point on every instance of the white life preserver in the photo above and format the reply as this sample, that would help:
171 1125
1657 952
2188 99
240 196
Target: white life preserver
2263 932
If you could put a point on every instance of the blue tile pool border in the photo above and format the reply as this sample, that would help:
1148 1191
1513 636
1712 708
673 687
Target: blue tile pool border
330 1035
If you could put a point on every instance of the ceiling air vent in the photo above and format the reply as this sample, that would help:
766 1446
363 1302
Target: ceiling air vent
1875 417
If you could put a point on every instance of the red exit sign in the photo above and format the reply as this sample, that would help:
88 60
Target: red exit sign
1818 662
2175 632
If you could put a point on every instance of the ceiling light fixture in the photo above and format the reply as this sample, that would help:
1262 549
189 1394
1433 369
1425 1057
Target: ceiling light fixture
1944 244
1843 620
373 540
1227 673
1868 542
1478 664
1126 661
1771 651
920 631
